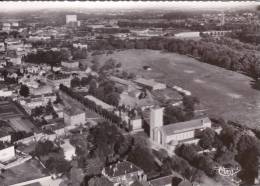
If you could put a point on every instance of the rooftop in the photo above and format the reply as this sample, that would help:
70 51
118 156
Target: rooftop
121 81
58 76
162 181
73 111
121 168
184 126
148 82
99 102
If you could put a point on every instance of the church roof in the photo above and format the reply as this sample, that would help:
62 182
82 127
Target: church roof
184 126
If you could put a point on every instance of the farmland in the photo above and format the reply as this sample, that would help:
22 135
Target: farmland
224 93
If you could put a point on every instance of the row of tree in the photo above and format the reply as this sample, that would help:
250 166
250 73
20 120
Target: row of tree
109 115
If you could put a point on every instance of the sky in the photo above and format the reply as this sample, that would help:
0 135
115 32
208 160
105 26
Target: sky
18 6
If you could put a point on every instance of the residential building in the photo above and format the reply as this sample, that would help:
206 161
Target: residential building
70 64
168 136
55 80
74 116
124 173
150 84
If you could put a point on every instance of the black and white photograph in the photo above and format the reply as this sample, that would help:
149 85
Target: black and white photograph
130 93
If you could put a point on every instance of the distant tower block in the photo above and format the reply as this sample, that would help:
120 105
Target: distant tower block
223 19
71 19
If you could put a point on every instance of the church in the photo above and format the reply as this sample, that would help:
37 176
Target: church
168 136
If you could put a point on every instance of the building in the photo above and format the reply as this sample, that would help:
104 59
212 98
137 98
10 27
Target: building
70 64
37 101
100 103
136 124
168 136
124 173
150 84
79 45
125 84
6 27
5 92
74 116
7 154
55 80
71 19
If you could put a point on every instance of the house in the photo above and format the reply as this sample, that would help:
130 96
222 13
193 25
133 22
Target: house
45 89
70 64
55 80
79 45
124 173
136 124
168 136
150 84
74 116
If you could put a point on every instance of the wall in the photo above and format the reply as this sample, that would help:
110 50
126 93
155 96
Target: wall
33 181
7 154
181 136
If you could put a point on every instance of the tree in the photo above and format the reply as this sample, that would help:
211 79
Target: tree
84 81
76 176
65 54
92 87
57 165
75 82
99 181
37 111
45 147
207 138
113 98
189 103
24 91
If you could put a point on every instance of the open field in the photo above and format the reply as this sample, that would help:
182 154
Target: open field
27 171
9 110
224 93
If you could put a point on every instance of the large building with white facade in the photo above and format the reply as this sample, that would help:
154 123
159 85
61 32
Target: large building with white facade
74 116
55 80
168 136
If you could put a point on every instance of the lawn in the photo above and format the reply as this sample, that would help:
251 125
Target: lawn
224 93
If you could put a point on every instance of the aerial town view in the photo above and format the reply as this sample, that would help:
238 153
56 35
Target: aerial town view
130 93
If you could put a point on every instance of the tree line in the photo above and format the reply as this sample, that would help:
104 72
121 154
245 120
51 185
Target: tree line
213 53
109 115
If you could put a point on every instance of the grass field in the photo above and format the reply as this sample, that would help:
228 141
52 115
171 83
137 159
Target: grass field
224 93
27 171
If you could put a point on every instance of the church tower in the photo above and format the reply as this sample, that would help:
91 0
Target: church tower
156 122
